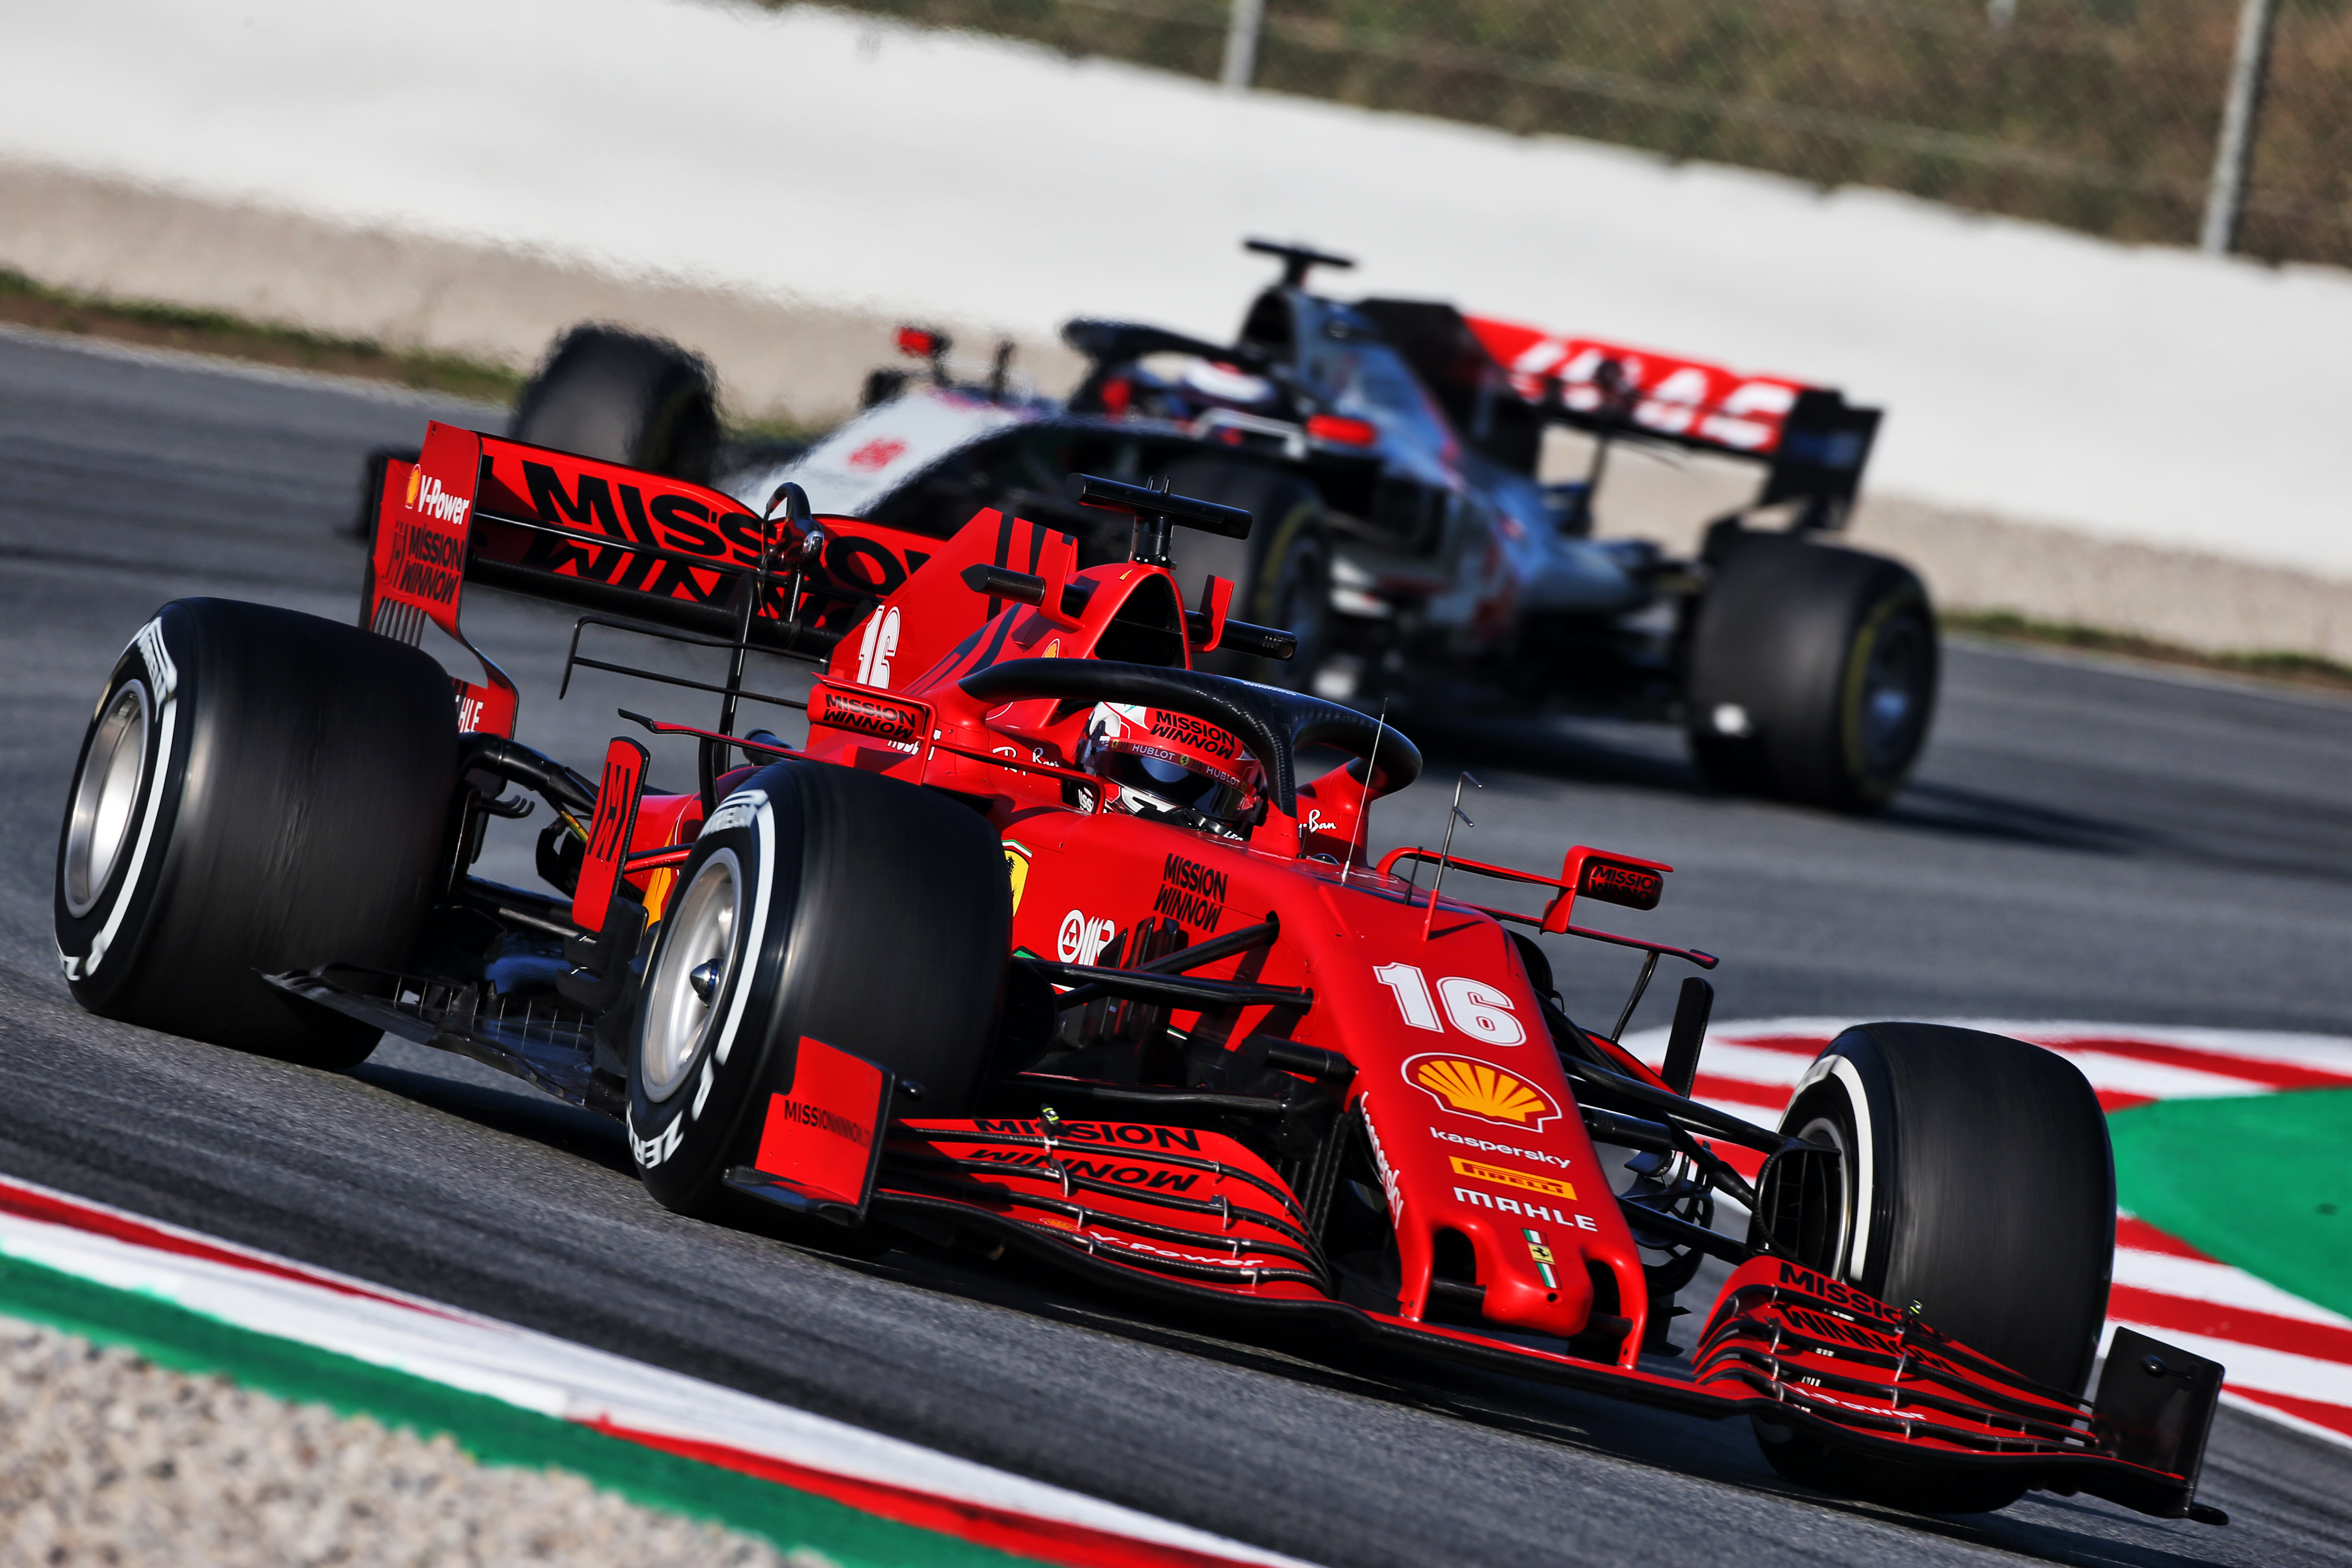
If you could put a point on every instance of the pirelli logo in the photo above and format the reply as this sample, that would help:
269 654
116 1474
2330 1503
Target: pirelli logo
1504 1176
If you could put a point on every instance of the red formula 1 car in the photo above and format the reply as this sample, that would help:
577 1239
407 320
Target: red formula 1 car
1044 938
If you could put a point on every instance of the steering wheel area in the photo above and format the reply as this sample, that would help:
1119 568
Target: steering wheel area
1273 724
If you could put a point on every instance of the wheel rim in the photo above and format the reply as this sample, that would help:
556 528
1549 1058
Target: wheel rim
681 1014
105 796
1302 605
1824 1206
1892 702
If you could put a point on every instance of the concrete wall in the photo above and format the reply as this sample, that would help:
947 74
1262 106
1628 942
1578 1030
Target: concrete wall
118 239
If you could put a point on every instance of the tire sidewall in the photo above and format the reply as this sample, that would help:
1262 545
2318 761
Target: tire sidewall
682 1145
1292 581
99 950
1848 1086
1872 781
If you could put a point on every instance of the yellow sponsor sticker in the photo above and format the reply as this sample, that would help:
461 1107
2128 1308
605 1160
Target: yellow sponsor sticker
1504 1176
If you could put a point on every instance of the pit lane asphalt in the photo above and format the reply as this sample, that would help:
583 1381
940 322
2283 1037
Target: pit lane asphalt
2083 842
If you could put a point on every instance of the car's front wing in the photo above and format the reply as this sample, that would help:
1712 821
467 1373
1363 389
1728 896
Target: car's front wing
1189 1215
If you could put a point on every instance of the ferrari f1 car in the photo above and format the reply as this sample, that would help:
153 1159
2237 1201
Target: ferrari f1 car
1041 937
1393 450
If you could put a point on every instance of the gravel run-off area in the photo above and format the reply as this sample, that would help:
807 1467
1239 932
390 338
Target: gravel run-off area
106 1458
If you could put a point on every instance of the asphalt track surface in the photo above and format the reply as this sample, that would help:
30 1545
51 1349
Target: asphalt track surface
2083 842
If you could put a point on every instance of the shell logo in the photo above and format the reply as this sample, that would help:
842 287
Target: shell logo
1477 1088
415 481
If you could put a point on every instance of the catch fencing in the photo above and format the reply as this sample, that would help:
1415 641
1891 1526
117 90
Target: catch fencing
2225 122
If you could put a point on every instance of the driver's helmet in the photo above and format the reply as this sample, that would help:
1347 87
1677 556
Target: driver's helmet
1156 762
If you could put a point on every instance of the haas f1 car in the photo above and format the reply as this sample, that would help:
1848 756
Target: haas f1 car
1041 937
1393 450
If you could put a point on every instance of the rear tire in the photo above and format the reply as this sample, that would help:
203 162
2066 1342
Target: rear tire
1811 673
621 397
260 791
1281 574
1977 1182
837 905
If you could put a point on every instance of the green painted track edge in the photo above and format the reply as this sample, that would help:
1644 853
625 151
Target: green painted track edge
2262 1182
491 1431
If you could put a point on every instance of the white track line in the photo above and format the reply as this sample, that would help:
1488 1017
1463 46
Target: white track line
2218 1285
541 1372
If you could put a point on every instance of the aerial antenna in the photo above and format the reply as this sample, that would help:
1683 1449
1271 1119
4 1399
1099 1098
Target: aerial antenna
1446 849
1296 259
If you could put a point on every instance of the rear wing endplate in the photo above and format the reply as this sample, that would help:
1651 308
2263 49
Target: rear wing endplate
552 525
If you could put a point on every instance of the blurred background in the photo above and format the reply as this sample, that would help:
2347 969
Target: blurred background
2105 116
2091 255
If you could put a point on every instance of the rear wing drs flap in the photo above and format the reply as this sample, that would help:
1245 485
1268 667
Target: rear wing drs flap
1814 442
479 509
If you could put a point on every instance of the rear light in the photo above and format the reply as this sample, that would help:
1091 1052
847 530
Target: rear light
1342 431
919 342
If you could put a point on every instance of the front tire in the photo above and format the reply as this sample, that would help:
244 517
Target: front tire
1811 672
826 903
1281 574
260 791
621 398
1977 1181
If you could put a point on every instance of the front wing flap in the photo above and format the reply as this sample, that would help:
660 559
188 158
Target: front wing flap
1194 1216
1177 1202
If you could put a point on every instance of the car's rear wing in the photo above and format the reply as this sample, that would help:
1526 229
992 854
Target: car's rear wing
661 552
1814 442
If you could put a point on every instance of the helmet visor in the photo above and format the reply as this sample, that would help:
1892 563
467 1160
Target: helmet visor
1173 783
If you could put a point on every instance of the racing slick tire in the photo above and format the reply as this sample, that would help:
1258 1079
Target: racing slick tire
1281 574
259 791
820 902
1977 1183
621 398
1811 672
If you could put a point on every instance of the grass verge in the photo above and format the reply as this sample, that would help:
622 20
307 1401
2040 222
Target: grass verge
26 302
2292 669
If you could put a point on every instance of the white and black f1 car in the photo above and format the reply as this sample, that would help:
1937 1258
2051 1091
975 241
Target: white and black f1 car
1390 451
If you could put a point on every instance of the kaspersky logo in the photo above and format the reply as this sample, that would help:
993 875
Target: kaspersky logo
429 496
1481 1089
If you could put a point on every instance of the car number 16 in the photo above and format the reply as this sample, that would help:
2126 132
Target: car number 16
1476 1008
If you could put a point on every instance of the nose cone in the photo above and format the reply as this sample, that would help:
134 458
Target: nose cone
704 978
